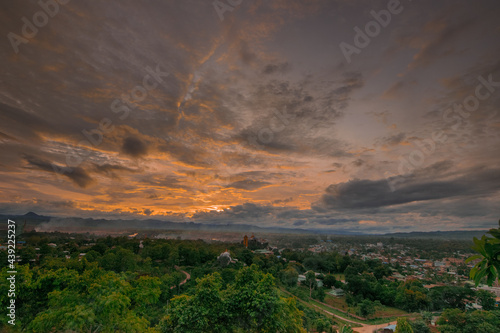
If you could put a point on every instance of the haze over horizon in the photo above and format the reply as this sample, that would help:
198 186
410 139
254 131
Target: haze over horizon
271 113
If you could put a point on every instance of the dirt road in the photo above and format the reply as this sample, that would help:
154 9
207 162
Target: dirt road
188 276
371 328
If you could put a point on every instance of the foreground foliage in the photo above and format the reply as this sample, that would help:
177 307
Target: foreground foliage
489 253
456 321
250 304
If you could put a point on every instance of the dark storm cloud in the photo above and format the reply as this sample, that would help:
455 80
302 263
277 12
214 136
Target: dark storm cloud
134 147
359 194
462 207
78 175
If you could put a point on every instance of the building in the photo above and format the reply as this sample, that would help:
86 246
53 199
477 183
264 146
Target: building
254 243
494 290
388 329
225 259
302 278
265 252
336 292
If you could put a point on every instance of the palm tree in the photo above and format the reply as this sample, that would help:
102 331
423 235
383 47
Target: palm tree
489 253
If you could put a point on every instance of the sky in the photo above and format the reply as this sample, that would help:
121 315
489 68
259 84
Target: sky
346 115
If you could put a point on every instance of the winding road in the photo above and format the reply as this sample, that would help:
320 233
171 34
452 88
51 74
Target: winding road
188 276
370 328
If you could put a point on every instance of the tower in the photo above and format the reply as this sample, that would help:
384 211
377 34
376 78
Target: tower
245 241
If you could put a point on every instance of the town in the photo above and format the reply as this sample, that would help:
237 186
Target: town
361 283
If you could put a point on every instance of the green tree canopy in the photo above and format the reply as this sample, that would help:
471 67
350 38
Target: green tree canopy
251 304
289 276
456 321
95 301
486 299
366 308
329 281
403 326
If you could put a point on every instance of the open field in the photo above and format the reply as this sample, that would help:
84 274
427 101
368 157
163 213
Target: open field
337 315
382 311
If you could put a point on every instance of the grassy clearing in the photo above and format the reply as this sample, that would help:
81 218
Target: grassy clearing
374 321
338 313
382 311
336 302
313 305
389 313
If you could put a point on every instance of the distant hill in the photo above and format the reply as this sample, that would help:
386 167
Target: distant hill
459 235
78 225
30 216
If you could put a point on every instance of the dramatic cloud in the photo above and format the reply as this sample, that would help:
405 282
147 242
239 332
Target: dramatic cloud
78 175
360 194
134 147
175 114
